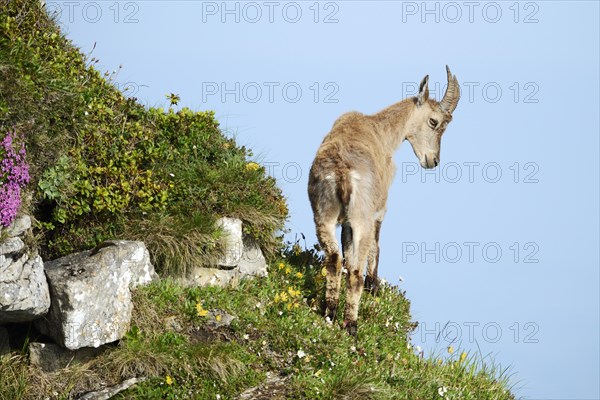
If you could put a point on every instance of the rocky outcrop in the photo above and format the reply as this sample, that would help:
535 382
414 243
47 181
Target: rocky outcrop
20 225
252 262
243 258
110 392
91 298
232 241
24 294
50 357
83 301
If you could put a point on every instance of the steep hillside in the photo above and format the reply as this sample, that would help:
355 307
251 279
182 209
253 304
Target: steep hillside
276 347
102 165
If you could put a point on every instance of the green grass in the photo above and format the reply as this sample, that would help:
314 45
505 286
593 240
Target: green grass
104 166
272 333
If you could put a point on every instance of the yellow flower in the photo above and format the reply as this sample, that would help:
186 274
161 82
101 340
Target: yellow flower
283 296
288 270
293 293
299 275
296 305
450 349
218 317
318 373
289 306
439 361
463 356
201 311
277 299
252 166
281 266
169 380
324 271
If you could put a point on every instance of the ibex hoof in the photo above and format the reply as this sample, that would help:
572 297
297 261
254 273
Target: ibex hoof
329 313
351 327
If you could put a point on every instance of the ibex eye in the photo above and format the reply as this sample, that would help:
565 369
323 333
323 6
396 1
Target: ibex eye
433 122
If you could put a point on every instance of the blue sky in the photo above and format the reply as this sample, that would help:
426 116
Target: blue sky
498 247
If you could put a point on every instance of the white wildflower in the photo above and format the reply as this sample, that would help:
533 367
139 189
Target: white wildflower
442 391
246 336
300 353
418 349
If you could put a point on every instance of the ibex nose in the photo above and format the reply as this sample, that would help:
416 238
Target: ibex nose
430 162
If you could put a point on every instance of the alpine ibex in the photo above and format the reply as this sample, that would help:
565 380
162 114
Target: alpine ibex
350 178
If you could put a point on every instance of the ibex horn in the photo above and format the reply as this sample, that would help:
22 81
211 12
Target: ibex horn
452 95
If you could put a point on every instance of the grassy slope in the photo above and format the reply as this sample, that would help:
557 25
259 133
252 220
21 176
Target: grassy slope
53 94
269 334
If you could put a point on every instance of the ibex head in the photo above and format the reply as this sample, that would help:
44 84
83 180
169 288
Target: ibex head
429 120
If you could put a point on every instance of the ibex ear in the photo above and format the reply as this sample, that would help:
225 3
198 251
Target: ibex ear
423 91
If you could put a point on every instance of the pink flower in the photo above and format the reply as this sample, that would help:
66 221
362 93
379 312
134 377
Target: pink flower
14 175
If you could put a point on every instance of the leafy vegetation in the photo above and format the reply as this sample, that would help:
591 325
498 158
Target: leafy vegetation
107 167
277 331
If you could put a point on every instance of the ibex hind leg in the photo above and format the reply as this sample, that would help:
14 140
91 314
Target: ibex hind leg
333 266
371 280
362 237
347 248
